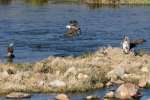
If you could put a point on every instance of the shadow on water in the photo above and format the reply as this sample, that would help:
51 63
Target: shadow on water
96 6
5 2
37 2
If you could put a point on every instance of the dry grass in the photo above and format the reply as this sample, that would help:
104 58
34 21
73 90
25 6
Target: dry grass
79 74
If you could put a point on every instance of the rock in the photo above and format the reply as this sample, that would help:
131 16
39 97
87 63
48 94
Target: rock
99 85
131 77
111 75
82 76
92 98
109 95
62 97
109 84
117 72
57 84
118 82
40 83
126 91
142 83
144 69
18 95
4 75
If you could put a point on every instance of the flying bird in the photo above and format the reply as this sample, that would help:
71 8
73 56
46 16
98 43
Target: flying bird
73 28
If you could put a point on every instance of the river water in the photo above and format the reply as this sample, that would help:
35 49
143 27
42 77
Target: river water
78 96
37 31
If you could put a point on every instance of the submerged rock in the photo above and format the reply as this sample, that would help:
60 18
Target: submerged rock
62 97
110 94
18 95
93 98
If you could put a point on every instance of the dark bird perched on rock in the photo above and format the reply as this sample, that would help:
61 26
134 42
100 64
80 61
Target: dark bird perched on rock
128 45
73 28
10 51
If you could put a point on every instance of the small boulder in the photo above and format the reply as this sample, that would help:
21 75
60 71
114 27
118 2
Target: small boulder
142 83
57 84
62 97
126 91
4 74
144 69
118 82
82 76
108 84
109 95
18 95
93 98
99 85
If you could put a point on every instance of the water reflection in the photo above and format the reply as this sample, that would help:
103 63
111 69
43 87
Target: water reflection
36 2
66 1
43 2
5 2
96 6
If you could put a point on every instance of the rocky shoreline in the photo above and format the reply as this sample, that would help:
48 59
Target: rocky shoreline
104 67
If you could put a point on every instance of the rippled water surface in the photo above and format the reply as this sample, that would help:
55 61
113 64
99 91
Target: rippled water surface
38 31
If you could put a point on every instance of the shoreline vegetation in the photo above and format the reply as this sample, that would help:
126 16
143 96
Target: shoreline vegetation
118 2
89 71
88 2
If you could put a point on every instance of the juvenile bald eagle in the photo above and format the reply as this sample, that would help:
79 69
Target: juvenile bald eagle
73 28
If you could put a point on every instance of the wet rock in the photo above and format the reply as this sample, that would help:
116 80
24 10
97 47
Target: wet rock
110 94
18 95
126 91
62 97
93 98
57 84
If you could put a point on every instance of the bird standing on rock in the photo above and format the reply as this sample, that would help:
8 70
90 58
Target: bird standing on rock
10 51
128 45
